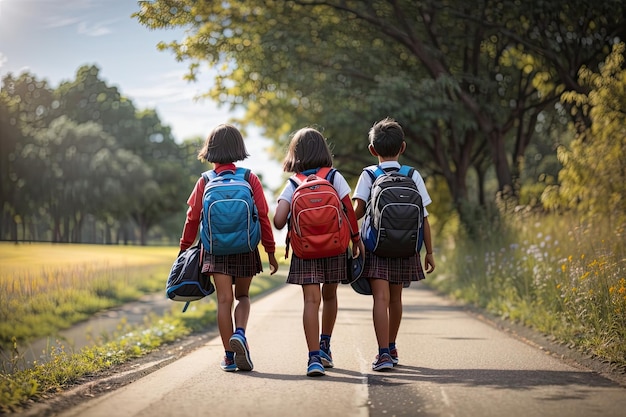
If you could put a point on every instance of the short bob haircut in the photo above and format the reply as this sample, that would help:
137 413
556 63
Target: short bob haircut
224 145
386 137
308 150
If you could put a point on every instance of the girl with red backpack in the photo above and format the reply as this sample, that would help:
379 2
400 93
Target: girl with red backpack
321 225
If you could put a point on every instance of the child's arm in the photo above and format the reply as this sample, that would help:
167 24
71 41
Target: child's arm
267 234
281 214
357 245
192 221
429 261
359 208
354 226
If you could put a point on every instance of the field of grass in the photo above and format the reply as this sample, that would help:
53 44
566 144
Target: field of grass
45 288
48 287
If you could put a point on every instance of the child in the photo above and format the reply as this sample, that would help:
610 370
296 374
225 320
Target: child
308 152
223 147
388 276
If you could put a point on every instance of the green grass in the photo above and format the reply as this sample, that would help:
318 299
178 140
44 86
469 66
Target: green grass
63 279
553 274
45 288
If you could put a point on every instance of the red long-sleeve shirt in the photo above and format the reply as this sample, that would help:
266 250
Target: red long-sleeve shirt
192 223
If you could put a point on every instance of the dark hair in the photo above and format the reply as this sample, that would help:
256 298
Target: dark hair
386 137
223 145
308 150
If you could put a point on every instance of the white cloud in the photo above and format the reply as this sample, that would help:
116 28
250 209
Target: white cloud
96 29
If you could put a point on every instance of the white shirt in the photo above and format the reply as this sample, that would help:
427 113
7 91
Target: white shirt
364 185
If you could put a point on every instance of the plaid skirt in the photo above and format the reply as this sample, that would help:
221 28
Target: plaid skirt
241 265
331 270
395 270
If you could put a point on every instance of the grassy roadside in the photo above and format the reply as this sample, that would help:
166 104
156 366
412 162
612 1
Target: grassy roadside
561 278
60 282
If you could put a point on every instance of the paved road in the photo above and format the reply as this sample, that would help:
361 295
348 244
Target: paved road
452 364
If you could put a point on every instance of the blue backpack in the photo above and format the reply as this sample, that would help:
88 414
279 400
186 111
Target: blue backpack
230 219
394 216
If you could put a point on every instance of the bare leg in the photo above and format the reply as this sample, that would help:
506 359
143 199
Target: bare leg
224 294
395 311
310 317
380 311
329 308
242 309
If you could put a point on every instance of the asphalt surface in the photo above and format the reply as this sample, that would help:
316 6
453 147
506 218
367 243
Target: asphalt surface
453 362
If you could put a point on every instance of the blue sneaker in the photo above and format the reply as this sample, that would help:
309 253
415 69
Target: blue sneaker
239 345
228 365
327 359
382 363
315 367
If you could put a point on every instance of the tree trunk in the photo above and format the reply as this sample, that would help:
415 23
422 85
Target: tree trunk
501 164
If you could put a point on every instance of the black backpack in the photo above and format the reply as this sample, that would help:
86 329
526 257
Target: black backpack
186 283
394 215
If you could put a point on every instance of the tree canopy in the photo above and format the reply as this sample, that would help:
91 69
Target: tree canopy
82 154
593 178
468 81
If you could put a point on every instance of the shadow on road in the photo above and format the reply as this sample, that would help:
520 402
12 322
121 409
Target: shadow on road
493 378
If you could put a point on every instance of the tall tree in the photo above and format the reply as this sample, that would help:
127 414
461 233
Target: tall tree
466 80
63 183
26 104
157 190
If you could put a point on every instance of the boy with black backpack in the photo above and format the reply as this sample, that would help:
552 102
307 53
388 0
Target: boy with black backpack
393 199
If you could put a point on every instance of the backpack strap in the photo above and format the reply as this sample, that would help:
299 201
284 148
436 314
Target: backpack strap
375 173
210 174
327 173
244 172
295 181
406 170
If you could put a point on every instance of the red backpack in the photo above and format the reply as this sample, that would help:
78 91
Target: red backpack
318 224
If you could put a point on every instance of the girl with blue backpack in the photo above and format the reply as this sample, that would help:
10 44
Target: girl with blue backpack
222 232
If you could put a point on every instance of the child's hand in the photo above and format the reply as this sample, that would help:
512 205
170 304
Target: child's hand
273 263
358 249
429 262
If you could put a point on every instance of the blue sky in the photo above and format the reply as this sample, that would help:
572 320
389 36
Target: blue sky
53 38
